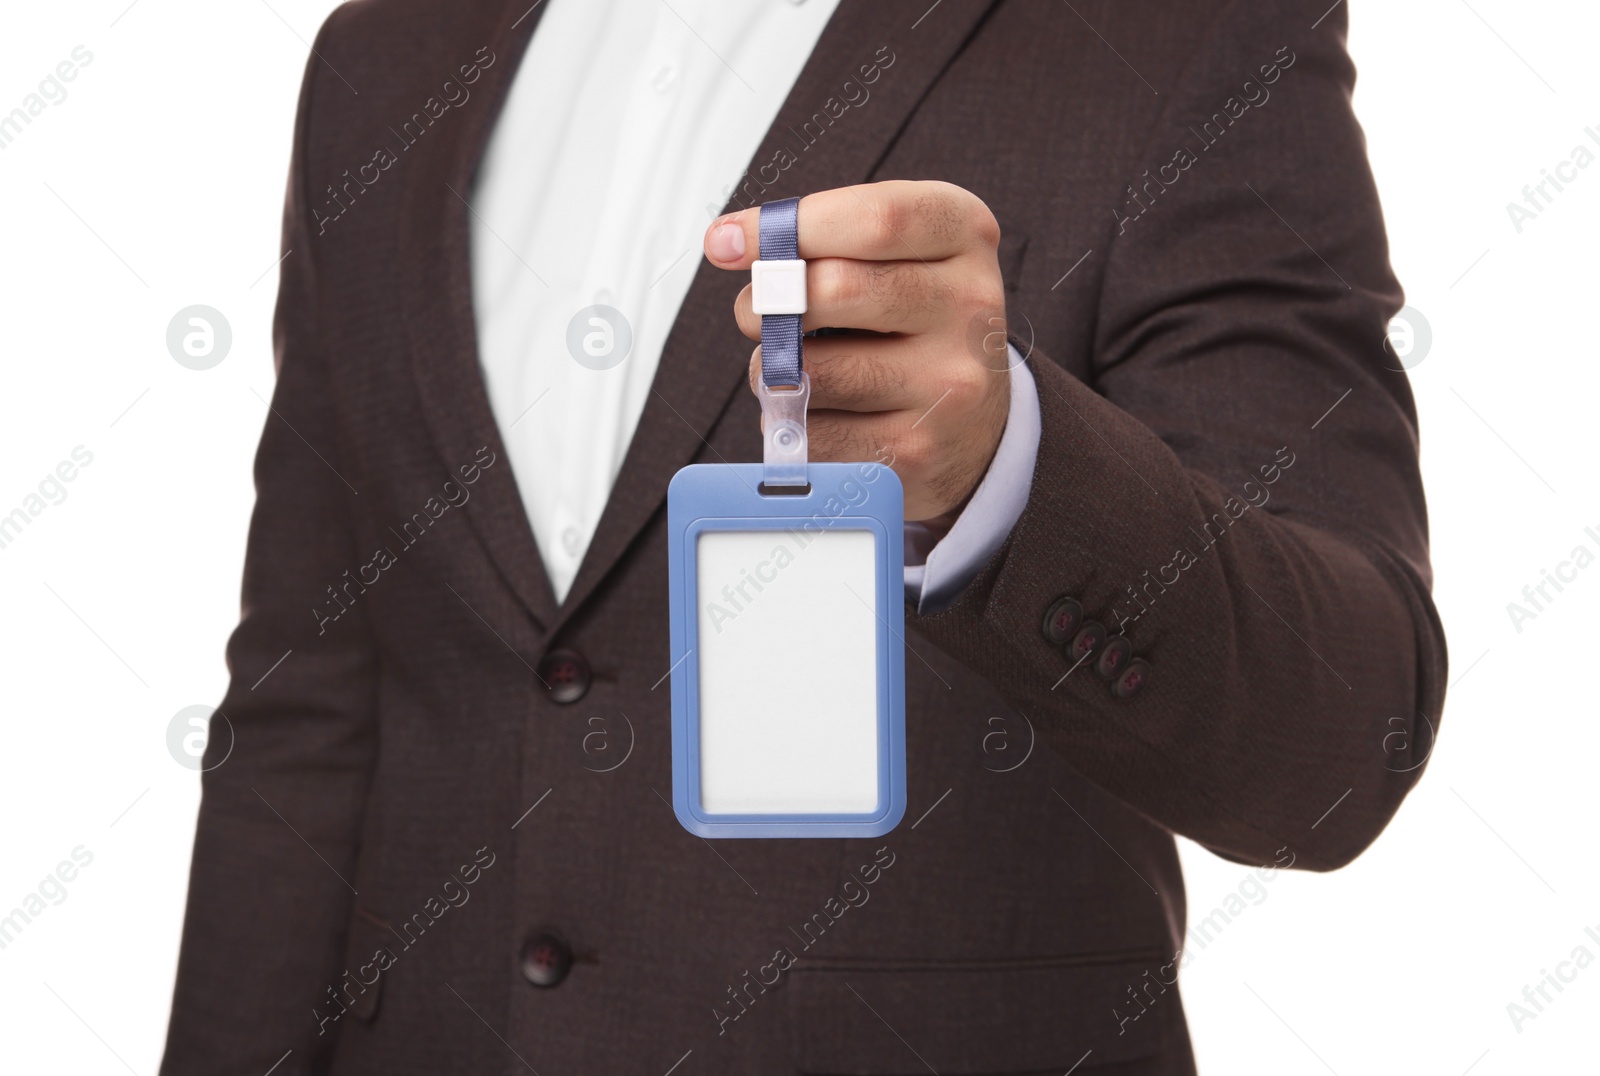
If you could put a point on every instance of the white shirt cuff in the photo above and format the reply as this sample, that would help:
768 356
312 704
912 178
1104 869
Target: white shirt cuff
936 576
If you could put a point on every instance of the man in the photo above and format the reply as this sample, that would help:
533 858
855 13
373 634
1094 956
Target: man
1199 603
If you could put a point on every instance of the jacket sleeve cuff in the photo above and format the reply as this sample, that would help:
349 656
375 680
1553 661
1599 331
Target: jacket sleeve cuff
937 571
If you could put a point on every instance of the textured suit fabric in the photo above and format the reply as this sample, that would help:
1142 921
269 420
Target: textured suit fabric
401 802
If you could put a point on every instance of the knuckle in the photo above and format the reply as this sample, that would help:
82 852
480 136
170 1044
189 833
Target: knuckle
956 213
836 284
891 217
983 224
969 387
960 390
980 292
940 214
915 450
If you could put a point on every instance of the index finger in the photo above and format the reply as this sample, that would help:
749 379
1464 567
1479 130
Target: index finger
896 220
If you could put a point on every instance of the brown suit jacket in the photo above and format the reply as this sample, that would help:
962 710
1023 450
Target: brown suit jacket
1196 263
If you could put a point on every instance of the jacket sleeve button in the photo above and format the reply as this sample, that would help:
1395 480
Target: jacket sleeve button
1133 680
1063 620
1113 658
1090 638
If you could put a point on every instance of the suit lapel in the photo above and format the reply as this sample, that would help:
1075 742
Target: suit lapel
703 363
435 275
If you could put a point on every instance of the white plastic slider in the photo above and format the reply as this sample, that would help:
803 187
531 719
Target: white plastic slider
778 287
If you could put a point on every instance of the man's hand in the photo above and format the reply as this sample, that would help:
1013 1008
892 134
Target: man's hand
921 379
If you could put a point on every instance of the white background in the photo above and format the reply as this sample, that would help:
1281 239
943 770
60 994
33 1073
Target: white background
170 151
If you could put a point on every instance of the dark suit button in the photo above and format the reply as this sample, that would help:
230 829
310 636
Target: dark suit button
565 674
1113 658
1090 637
1062 621
1133 679
546 959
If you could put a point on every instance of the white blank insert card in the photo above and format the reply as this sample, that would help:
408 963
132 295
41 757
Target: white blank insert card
788 651
788 672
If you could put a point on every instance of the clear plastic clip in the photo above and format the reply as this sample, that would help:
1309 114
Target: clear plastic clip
783 432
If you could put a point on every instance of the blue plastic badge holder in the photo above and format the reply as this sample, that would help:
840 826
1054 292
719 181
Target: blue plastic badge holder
788 614
788 620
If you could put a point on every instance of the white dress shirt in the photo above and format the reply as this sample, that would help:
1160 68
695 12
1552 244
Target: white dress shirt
626 119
